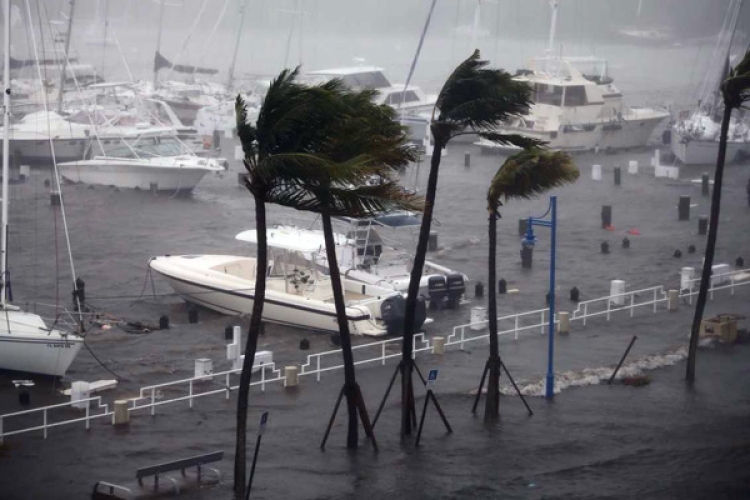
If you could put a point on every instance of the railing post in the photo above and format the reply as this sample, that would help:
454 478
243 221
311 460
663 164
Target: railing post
609 306
228 383
655 297
542 325
191 395
88 406
262 377
585 312
731 281
317 375
515 328
153 399
45 423
632 303
463 336
382 353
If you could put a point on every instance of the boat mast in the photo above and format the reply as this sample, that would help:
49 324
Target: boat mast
475 26
65 55
236 46
104 40
158 40
6 156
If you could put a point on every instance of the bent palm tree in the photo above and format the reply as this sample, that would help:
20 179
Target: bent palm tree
287 127
524 175
364 140
474 100
735 91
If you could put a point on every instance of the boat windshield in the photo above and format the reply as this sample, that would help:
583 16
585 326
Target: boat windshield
148 147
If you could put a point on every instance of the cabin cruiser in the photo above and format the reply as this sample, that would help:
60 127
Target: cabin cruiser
578 112
152 161
297 292
410 100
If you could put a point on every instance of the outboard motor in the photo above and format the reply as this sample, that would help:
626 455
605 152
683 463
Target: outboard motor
437 289
392 311
455 288
420 315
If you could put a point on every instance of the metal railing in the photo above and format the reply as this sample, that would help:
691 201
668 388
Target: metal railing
627 301
720 281
522 322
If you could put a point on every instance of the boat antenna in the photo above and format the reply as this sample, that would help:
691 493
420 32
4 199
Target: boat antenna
230 82
158 40
65 55
6 156
553 26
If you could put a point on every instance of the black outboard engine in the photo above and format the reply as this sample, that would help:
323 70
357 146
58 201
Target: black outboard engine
420 315
392 311
437 289
456 287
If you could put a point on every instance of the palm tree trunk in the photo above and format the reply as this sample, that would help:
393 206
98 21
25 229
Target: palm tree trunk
407 364
351 390
713 229
259 294
492 406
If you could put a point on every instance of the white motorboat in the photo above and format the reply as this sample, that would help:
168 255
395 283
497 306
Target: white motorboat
364 256
26 343
411 100
297 293
579 112
151 162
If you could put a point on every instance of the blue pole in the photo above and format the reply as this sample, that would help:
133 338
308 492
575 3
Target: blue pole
551 332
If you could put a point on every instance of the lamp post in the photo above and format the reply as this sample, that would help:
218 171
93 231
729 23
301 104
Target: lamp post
529 240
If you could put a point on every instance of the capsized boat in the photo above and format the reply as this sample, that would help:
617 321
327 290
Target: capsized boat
297 292
151 162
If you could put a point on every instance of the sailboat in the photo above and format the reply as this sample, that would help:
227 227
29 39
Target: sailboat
27 344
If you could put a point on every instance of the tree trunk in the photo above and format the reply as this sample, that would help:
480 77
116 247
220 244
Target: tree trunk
259 294
407 363
713 229
492 406
350 382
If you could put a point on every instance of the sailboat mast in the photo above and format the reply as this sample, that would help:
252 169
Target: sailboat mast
104 40
6 151
65 60
158 40
236 45
552 28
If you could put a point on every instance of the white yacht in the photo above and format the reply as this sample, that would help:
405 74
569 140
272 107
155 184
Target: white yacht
150 162
577 112
27 344
297 294
411 100
695 139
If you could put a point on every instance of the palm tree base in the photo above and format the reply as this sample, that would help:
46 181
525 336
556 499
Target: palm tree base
356 405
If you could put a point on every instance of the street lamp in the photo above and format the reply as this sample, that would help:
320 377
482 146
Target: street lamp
529 241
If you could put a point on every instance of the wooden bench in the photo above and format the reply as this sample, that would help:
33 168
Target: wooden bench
105 490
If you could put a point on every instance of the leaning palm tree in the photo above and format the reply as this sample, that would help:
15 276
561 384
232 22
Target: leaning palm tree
474 100
524 175
363 141
287 127
735 91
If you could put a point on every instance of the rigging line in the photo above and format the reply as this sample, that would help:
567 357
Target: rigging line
122 54
416 57
57 176
187 39
101 363
211 36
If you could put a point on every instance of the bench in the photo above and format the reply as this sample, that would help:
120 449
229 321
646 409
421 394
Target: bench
105 490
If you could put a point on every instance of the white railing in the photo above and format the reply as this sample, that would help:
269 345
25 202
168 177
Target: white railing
720 281
46 424
317 363
627 301
522 322
153 395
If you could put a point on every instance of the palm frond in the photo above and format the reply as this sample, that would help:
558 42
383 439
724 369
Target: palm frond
512 139
246 131
530 173
736 88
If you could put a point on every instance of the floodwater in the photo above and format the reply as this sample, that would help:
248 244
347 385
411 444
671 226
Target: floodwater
664 440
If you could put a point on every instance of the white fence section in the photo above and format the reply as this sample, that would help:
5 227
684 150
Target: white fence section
190 389
45 411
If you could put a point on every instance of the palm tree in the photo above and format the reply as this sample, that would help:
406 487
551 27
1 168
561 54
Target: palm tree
474 100
364 140
523 175
287 127
735 91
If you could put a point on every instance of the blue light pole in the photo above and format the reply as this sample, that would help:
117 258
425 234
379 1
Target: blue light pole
529 240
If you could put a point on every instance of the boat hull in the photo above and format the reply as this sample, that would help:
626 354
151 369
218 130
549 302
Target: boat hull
37 151
31 347
130 175
197 283
699 152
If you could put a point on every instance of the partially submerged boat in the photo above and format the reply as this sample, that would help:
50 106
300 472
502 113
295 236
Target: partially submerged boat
298 293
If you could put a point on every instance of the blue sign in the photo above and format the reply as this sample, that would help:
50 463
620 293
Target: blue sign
432 378
263 421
